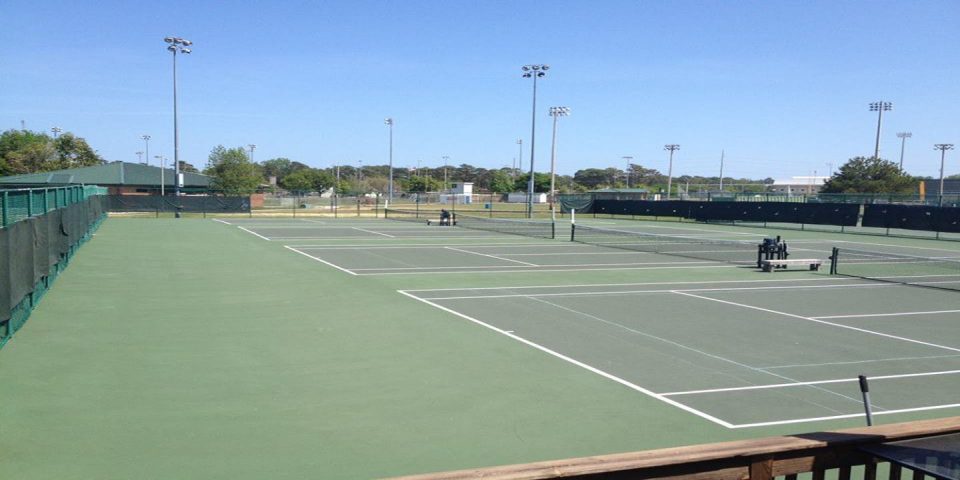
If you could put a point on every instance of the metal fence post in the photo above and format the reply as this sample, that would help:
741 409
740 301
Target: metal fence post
29 202
4 209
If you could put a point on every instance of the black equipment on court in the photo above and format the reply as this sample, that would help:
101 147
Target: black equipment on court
772 249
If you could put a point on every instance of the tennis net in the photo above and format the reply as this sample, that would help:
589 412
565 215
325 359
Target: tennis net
934 272
699 248
523 227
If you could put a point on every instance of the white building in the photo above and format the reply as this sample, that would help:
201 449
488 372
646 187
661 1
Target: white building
521 197
459 192
799 185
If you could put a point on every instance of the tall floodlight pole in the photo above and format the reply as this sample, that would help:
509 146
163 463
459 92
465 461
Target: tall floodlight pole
879 107
943 147
722 153
252 147
139 157
389 122
556 113
146 146
446 160
672 147
176 45
56 131
534 72
163 166
520 158
627 159
903 136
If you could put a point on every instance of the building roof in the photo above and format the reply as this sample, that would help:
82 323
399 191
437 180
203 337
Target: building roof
109 174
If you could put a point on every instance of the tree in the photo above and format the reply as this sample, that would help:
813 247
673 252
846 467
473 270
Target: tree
298 182
869 175
423 184
502 182
541 182
23 151
232 171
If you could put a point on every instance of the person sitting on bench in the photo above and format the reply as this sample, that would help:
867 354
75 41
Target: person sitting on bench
444 218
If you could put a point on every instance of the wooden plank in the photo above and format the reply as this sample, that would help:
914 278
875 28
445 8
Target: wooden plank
761 468
814 446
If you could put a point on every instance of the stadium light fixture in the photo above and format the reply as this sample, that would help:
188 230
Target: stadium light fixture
533 71
556 113
903 136
146 146
176 45
56 131
879 107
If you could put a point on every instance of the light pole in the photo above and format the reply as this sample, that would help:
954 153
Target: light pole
146 146
139 157
672 147
252 147
556 113
446 160
520 162
56 131
627 159
534 72
903 136
176 45
722 154
163 166
943 147
879 107
389 122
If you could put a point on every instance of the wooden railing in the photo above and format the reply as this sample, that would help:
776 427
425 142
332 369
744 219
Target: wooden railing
762 458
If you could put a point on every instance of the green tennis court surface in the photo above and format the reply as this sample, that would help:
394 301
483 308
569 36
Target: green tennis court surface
291 348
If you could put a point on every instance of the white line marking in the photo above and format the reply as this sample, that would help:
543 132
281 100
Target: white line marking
491 256
355 239
222 221
320 260
697 282
373 232
664 290
550 270
530 265
810 319
837 417
854 362
321 222
574 362
802 384
863 315
254 233
421 245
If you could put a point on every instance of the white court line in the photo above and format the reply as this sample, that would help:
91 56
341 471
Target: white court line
373 232
321 222
863 315
254 233
545 270
625 252
810 319
802 384
664 290
530 265
850 415
422 245
856 362
491 256
575 362
355 239
697 282
222 221
320 260
696 229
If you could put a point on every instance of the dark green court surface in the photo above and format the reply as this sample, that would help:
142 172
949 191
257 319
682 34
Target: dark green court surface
311 348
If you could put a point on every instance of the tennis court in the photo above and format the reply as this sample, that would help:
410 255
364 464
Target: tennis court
367 348
757 349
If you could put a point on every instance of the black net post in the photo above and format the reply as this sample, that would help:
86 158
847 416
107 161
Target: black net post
573 232
834 257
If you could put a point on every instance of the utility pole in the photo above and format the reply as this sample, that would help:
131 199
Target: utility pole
139 157
879 107
56 131
146 146
389 123
672 147
903 136
721 169
556 113
943 147
627 159
520 163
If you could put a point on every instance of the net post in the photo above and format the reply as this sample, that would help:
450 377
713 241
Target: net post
4 209
865 392
29 202
834 256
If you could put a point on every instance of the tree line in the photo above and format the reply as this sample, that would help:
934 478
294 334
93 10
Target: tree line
233 172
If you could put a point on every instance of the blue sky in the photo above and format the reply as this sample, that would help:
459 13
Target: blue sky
781 86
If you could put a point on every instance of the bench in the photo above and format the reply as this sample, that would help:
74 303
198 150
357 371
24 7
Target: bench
770 265
437 222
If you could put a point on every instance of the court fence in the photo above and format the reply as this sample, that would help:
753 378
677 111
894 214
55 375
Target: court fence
841 454
42 229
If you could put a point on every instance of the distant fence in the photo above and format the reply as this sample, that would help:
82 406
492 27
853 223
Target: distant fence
41 231
948 199
187 203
